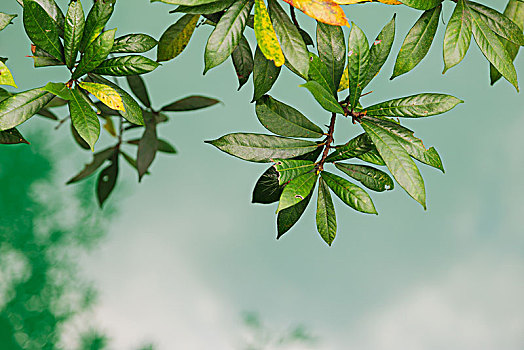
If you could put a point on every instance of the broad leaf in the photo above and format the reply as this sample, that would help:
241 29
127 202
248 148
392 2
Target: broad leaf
320 73
6 78
416 106
227 34
17 108
372 157
11 137
325 11
42 30
176 37
267 189
287 218
370 177
106 94
84 119
137 85
354 148
499 23
126 65
59 89
421 4
185 2
262 148
95 53
190 103
205 9
358 63
148 146
331 46
133 43
285 120
54 12
349 193
242 61
398 161
96 22
98 160
323 97
265 73
458 36
297 190
418 41
288 169
73 32
326 217
380 50
266 36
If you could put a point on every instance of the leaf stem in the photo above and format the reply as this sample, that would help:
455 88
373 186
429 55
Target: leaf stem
327 142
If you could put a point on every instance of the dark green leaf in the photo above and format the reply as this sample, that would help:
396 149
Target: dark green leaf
73 32
165 147
54 12
137 85
320 73
42 30
458 36
297 190
176 37
148 146
372 157
107 180
185 2
133 43
416 106
243 61
205 9
380 50
326 217
288 169
287 218
349 193
267 190
96 22
358 63
190 103
84 118
126 65
95 53
370 177
354 148
17 108
331 46
323 97
11 137
98 160
58 89
78 139
285 120
44 112
306 37
421 4
265 73
262 148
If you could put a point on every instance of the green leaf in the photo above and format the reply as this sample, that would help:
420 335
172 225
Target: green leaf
358 63
267 189
287 218
265 73
288 169
11 137
73 32
107 180
323 97
78 139
6 78
331 46
262 148
370 177
416 106
84 118
205 9
54 12
493 49
185 2
96 22
297 190
148 146
42 30
380 50
190 103
398 161
515 12
421 4
59 89
227 34
349 193
133 43
43 59
458 36
418 41
285 120
4 94
242 61
326 217
99 159
95 53
17 108
176 37
353 148
137 85
5 20
291 42
499 23
132 112
165 147
126 65
320 73
372 157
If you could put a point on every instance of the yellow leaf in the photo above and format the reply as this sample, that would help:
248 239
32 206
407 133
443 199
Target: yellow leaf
110 127
266 36
326 11
5 76
106 94
344 81
351 2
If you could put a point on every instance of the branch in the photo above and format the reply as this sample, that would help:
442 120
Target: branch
327 142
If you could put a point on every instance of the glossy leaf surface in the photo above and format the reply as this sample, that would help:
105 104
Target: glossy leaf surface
95 53
84 119
176 37
265 73
73 32
326 218
288 169
416 106
133 43
126 65
297 190
42 30
349 193
17 108
370 177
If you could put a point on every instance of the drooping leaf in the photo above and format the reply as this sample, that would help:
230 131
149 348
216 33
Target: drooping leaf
5 20
73 32
418 41
320 73
42 30
372 156
285 120
11 137
99 159
148 146
421 4
126 65
133 43
458 36
353 148
370 177
326 217
243 61
59 89
84 119
227 34
107 180
162 145
380 50
267 189
78 139
96 22
43 59
287 218
416 106
106 94
95 53
17 108
190 103
266 36
358 63
349 193
323 97
205 9
54 12
398 161
138 86
331 46
6 78
325 11
262 148
176 37
291 42
265 73
297 190
288 169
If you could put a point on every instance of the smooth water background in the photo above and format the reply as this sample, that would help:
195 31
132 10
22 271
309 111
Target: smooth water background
177 259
